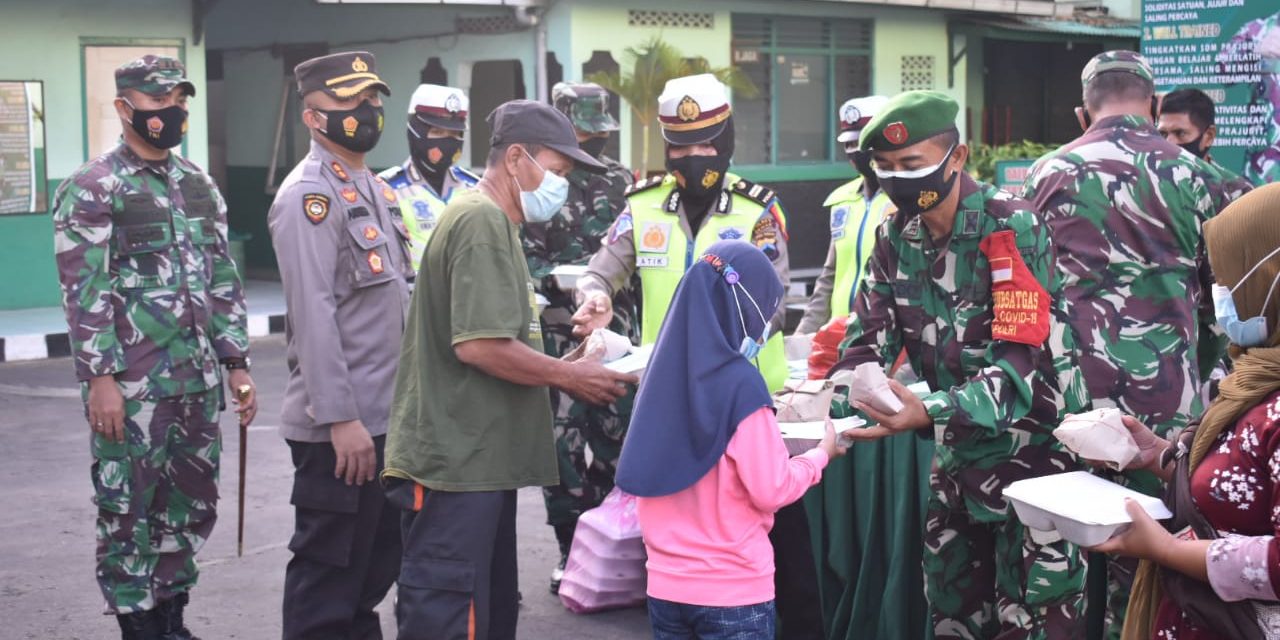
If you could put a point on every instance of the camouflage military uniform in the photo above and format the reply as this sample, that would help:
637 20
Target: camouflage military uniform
153 298
994 405
572 237
1227 186
1125 207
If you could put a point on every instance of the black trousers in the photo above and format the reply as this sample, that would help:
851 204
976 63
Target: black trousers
346 550
458 577
796 576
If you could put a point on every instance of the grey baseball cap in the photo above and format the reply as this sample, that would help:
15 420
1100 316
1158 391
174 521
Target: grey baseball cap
530 122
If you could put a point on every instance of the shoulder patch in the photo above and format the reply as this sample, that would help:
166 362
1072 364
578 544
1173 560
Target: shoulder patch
465 176
623 224
316 206
758 194
644 185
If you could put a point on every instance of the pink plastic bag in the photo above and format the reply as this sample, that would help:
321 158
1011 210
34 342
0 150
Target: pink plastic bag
606 562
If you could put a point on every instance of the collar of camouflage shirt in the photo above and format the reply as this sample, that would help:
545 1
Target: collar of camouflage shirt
134 163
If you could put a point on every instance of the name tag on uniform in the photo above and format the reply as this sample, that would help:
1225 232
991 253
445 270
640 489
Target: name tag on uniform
651 261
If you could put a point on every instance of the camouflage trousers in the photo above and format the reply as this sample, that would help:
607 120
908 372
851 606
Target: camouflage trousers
583 485
997 579
579 427
157 495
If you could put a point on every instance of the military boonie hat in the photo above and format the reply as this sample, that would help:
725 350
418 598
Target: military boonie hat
440 106
693 109
586 104
855 114
531 122
909 118
341 75
1117 60
153 75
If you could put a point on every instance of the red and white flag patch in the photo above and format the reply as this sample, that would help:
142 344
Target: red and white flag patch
1020 305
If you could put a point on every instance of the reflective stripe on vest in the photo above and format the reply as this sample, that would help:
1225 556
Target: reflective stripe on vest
853 236
664 253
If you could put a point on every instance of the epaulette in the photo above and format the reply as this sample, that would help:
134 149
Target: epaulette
643 185
758 194
465 176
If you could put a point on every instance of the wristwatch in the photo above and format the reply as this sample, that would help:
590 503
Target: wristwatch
236 363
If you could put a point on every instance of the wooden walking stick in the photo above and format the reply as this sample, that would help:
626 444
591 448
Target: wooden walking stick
242 394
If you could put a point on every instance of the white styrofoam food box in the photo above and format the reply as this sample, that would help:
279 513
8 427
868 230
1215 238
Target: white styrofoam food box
1080 506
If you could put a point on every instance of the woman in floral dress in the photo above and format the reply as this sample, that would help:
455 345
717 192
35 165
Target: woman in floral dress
1219 572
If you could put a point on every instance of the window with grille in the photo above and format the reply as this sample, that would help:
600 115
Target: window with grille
803 68
917 73
686 19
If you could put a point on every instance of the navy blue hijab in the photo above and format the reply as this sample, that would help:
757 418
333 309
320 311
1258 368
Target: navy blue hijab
698 386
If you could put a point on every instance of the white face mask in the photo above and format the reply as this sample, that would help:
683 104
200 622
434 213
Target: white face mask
1243 333
543 203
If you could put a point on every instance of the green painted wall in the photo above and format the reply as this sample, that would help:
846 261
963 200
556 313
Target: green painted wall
41 40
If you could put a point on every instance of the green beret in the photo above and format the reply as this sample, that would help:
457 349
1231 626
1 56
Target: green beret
909 118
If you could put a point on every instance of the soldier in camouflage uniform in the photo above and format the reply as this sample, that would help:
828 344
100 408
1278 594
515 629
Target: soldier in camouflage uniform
154 305
1186 119
962 277
1125 207
571 238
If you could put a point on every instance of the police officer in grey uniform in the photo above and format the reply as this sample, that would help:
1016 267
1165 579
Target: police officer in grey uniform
344 263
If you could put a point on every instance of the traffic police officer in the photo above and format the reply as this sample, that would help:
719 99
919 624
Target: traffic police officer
154 304
671 220
571 238
430 177
962 277
344 263
857 207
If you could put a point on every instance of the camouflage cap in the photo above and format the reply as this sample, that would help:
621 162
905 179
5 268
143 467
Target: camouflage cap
1117 60
909 118
153 75
586 104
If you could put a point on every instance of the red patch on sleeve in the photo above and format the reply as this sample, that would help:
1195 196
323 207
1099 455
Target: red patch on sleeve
1020 305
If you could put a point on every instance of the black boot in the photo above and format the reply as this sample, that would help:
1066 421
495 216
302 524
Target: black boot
564 536
172 626
140 625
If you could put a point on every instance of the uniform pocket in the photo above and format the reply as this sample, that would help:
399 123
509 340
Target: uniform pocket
437 594
112 473
325 511
143 249
370 251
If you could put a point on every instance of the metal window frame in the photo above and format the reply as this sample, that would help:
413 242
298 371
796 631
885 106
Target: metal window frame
832 165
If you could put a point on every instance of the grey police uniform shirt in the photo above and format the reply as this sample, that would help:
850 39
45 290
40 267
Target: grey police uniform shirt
344 264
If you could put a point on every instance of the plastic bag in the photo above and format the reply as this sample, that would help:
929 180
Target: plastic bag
1099 435
826 348
605 569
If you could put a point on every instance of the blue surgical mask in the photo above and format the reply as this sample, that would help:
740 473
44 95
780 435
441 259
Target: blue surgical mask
1243 333
749 348
542 204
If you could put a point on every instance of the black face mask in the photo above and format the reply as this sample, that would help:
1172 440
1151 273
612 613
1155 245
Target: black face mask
914 196
433 155
702 177
1193 147
355 129
862 162
594 146
160 128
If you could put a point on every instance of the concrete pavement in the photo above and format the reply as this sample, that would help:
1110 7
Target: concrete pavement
47 590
